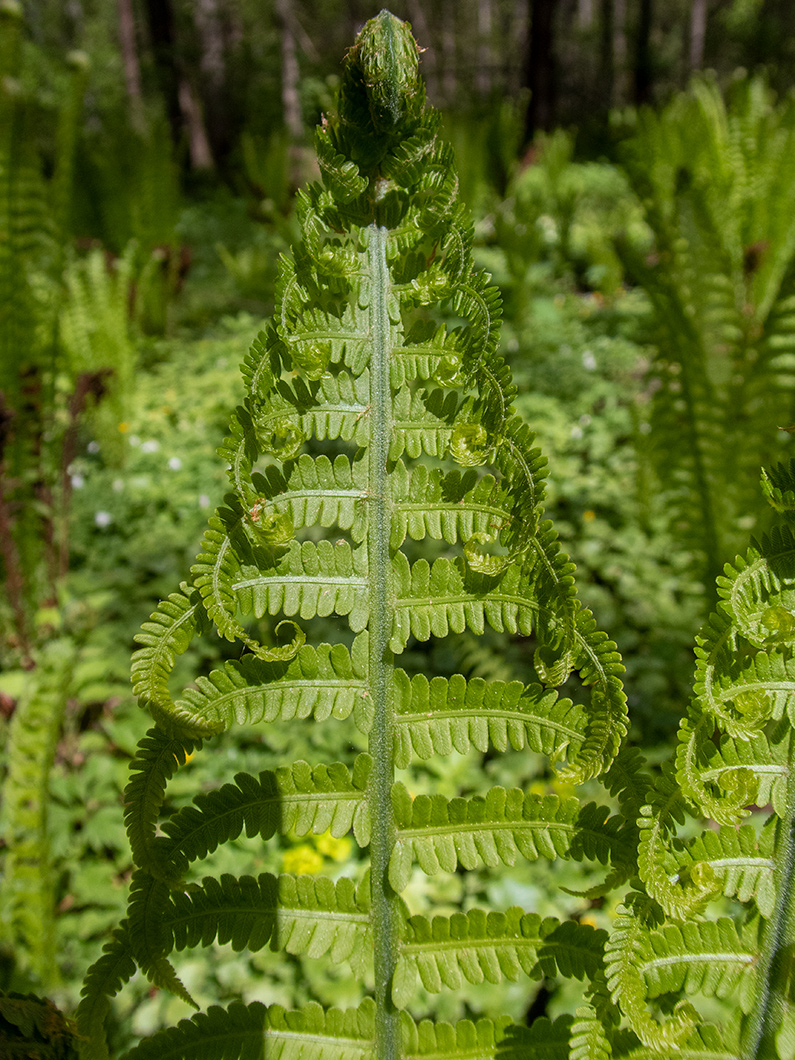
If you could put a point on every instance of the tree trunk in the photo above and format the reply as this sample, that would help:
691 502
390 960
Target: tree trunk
620 66
483 74
698 31
291 75
429 65
160 20
585 13
606 63
643 62
201 156
212 67
540 68
129 58
449 73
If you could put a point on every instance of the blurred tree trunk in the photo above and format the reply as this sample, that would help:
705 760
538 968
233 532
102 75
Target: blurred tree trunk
428 60
160 21
212 67
606 64
585 13
201 157
291 75
449 73
129 58
644 74
620 65
483 74
540 68
698 31
182 105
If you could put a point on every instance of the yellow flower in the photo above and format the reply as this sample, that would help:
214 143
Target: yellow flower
338 849
589 516
123 427
302 860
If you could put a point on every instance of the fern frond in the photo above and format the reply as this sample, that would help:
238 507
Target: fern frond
149 934
440 715
679 898
739 860
27 900
472 947
707 1042
378 408
708 957
486 1040
318 492
313 579
104 979
158 757
627 950
300 798
242 1031
166 635
440 833
323 682
588 1038
298 914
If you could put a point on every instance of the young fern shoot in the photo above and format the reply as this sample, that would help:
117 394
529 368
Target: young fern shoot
377 421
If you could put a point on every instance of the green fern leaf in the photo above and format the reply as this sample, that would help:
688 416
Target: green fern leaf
104 979
486 1040
158 758
297 914
298 798
242 1031
437 716
323 682
474 946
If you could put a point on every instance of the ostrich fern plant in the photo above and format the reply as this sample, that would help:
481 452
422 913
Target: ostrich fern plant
715 179
377 426
383 353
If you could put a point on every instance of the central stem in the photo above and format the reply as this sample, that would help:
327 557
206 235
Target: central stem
384 913
776 943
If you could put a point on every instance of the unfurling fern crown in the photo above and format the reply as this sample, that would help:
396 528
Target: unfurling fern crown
377 415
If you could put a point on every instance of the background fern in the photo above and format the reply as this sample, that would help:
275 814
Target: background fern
377 417
712 176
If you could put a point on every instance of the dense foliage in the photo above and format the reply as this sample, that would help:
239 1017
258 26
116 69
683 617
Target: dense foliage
125 480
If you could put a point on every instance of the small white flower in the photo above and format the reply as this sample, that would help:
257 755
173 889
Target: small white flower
118 485
103 519
576 432
134 440
588 360
78 482
175 463
151 446
585 420
204 500
93 447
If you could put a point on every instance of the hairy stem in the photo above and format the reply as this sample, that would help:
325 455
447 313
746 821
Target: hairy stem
778 936
384 900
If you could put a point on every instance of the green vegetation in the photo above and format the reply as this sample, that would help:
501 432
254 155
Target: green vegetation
646 340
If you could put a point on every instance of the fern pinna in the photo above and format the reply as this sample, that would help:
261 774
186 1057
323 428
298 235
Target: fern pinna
379 410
